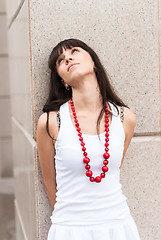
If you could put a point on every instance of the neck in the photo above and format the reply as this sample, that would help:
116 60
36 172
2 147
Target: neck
87 96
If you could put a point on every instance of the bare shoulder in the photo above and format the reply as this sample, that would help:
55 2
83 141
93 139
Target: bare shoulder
43 119
129 117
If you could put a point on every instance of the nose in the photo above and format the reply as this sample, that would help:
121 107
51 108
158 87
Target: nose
67 60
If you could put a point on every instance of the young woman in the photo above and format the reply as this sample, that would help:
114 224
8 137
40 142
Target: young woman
82 138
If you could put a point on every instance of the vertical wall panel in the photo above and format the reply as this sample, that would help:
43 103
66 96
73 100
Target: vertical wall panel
125 36
6 166
24 146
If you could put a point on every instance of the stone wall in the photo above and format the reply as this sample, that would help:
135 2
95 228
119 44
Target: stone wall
126 36
6 164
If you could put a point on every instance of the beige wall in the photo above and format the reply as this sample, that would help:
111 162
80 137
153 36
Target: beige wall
24 147
125 34
6 165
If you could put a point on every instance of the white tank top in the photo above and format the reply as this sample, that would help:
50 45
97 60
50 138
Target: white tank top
79 201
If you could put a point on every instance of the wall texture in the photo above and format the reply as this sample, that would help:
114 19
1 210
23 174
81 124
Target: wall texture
126 36
24 147
6 165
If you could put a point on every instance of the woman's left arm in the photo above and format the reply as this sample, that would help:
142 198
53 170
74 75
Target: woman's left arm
129 123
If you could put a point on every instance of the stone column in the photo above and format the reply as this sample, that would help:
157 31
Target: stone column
24 145
6 165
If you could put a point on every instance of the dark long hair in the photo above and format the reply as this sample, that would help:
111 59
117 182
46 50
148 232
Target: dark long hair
58 94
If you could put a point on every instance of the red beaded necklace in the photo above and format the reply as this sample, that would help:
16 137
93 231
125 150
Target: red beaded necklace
86 160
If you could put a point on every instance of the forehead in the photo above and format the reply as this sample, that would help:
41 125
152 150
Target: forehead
64 49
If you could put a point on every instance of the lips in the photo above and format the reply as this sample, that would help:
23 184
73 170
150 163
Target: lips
70 65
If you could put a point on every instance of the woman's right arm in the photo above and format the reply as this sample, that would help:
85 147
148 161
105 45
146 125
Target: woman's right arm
46 152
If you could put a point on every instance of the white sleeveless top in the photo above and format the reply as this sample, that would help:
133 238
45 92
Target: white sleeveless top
79 201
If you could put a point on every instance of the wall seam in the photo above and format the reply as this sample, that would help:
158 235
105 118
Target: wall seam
24 131
5 96
3 55
33 122
159 61
20 219
159 65
147 134
16 13
5 137
2 13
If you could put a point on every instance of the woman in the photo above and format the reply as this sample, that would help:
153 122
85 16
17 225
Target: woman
82 138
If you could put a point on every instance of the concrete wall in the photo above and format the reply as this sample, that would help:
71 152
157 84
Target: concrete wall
6 164
24 147
126 36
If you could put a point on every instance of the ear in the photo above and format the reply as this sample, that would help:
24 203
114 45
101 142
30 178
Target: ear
65 84
95 69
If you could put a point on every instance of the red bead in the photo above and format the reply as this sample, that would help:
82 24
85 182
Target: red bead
83 149
105 169
85 154
72 107
106 144
106 120
106 155
98 179
106 139
82 143
78 129
86 160
79 134
77 124
106 149
102 175
105 162
87 167
106 125
76 120
81 139
89 173
107 134
92 179
106 109
74 113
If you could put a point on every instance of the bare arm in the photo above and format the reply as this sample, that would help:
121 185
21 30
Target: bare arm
46 152
129 126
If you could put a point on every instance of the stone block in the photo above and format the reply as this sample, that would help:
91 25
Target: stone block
5 119
12 7
124 35
24 177
140 178
4 77
3 35
2 6
20 82
6 157
7 216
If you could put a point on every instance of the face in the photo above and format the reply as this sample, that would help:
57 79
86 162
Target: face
74 64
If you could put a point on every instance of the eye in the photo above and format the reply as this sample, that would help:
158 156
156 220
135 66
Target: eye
59 61
74 49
